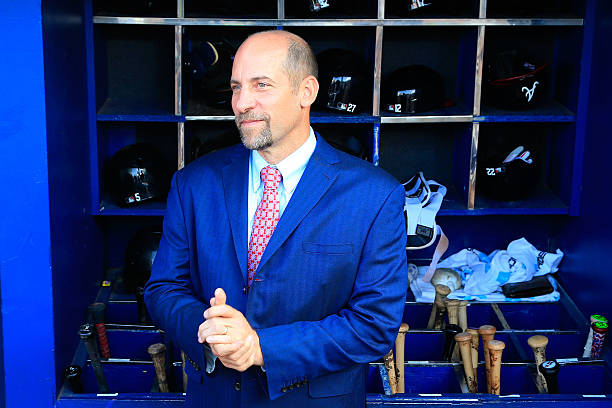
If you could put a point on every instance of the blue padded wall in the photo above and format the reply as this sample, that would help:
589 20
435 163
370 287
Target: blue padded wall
76 251
25 243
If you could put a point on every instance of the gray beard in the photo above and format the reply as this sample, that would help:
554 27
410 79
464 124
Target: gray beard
259 141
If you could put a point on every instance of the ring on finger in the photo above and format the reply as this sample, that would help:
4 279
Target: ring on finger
225 330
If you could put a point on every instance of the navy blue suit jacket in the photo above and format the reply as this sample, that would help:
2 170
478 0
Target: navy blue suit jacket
328 294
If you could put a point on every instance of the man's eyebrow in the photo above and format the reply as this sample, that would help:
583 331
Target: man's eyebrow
258 78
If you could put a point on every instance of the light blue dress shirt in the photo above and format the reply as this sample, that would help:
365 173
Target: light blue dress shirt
291 168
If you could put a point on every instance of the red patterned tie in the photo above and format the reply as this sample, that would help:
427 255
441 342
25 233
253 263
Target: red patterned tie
266 217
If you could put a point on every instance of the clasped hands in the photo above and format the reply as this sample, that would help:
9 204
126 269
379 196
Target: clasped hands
229 334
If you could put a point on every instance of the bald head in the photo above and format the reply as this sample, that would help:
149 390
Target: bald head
299 62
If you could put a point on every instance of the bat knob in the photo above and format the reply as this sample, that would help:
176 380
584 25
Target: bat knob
86 331
157 348
486 329
537 341
73 376
550 370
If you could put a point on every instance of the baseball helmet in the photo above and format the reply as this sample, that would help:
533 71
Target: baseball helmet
413 89
209 67
508 176
138 173
514 81
139 257
343 81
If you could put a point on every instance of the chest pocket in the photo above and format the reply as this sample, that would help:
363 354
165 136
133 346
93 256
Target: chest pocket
327 249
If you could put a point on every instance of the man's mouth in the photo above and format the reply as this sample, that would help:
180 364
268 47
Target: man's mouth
250 122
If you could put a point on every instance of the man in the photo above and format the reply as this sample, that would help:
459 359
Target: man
297 248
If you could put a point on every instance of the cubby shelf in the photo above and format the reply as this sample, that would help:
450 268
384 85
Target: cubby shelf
139 118
340 22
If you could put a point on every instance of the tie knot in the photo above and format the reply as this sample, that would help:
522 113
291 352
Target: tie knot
270 177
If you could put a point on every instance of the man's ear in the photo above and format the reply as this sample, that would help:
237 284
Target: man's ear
309 88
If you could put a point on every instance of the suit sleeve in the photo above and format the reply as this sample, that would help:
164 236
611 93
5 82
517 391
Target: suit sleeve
169 295
362 332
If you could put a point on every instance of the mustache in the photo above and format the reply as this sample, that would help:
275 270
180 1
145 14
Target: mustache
251 116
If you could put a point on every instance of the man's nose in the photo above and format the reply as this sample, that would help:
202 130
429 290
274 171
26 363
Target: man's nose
245 100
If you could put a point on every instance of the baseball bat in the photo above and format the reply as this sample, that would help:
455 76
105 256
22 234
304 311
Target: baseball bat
600 330
384 377
475 339
442 292
400 343
538 345
462 311
72 374
86 334
96 310
496 348
142 308
390 368
550 370
487 332
589 342
157 352
464 340
450 331
452 309
184 360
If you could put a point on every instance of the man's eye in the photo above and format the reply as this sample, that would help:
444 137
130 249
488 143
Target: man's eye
235 88
262 85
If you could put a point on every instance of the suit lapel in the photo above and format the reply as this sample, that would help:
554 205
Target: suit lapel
235 185
318 176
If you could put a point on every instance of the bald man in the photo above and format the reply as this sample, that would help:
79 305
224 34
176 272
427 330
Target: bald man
282 270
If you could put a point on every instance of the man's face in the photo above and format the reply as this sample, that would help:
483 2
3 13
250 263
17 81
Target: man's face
266 107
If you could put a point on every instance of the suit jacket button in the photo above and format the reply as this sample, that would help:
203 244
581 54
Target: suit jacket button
244 290
237 385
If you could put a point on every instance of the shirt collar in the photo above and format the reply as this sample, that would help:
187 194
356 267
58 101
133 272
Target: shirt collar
291 167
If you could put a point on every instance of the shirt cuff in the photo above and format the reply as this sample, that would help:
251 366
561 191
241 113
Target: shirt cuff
211 359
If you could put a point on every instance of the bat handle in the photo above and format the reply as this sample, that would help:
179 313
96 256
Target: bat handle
440 306
589 343
474 344
400 343
487 333
462 310
73 376
496 348
184 360
142 307
86 334
97 311
538 344
600 330
157 352
550 370
449 345
390 367
465 347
